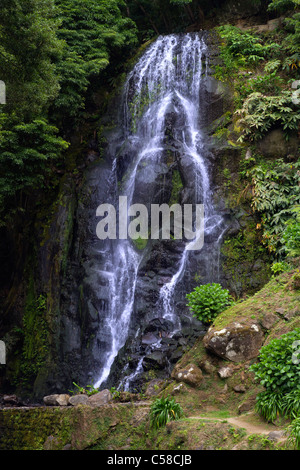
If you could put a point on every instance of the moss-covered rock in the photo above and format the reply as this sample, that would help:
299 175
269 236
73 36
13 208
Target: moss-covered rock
236 342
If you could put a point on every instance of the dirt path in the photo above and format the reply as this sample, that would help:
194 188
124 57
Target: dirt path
245 421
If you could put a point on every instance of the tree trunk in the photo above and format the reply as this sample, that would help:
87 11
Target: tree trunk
201 15
147 15
189 12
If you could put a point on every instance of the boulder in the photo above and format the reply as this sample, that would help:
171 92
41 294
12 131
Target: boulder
50 400
154 360
236 342
63 399
178 389
154 387
51 443
11 400
57 399
100 398
190 375
239 388
207 367
274 144
269 321
276 435
80 399
247 405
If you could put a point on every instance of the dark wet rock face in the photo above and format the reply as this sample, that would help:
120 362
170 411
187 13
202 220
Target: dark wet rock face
121 314
123 306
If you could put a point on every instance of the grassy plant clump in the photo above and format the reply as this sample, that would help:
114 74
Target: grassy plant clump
294 433
164 410
269 405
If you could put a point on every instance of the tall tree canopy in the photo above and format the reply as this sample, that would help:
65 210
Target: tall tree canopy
49 51
95 33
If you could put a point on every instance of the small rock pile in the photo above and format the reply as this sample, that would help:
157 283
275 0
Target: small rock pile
98 399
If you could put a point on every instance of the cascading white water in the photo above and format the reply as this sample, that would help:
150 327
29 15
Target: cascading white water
167 79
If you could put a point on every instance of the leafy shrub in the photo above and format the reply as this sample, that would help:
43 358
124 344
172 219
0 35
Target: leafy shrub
246 46
276 369
280 267
291 235
281 5
207 301
164 410
276 192
27 153
292 43
296 280
260 113
95 35
279 373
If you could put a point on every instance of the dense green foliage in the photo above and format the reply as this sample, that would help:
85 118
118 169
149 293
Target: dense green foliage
164 410
276 193
207 301
264 66
28 143
282 5
28 48
49 52
93 33
258 62
27 152
261 113
291 235
277 370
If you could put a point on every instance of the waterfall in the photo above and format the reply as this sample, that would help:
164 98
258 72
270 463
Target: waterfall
166 84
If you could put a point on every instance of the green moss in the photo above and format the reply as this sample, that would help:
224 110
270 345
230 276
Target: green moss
28 429
140 243
177 186
35 338
245 261
275 294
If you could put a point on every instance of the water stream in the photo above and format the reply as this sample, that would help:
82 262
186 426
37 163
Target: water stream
165 84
